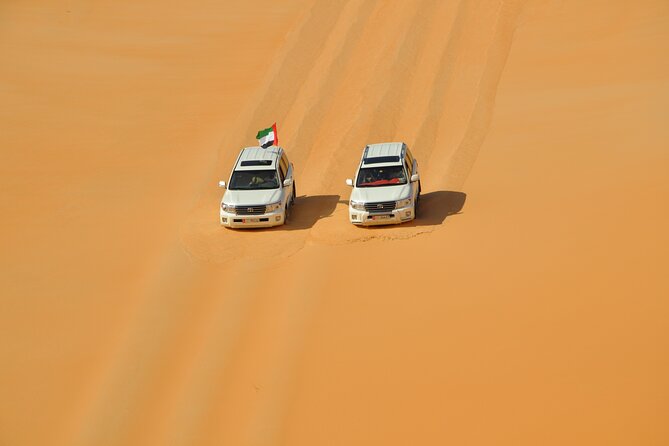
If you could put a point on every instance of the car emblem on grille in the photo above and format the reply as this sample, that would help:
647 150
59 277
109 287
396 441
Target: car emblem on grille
379 206
249 209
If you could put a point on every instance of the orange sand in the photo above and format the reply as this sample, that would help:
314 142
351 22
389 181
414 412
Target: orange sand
526 306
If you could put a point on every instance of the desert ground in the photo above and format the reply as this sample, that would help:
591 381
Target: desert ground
527 305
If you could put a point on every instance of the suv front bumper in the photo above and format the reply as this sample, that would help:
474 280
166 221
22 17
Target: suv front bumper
267 220
396 216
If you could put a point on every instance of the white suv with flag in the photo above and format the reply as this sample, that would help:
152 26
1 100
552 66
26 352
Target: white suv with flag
260 191
387 186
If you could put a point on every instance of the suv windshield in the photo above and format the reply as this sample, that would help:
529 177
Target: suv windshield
381 176
254 179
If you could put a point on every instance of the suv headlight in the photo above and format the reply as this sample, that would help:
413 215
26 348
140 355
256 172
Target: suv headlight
228 208
357 205
273 206
403 203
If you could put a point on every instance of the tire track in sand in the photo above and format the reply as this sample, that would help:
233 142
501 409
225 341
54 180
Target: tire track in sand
462 160
454 122
460 110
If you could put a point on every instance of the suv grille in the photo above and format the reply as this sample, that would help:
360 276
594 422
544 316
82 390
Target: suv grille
380 206
250 210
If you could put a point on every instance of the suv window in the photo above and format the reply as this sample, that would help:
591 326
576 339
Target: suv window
409 157
381 176
381 159
253 179
283 166
256 163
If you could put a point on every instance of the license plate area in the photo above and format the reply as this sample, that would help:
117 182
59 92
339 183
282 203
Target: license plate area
380 217
250 220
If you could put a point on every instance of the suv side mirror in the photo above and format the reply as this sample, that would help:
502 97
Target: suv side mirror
349 182
287 182
415 177
221 184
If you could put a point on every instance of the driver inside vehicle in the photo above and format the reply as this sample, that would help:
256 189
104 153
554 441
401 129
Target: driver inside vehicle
270 178
256 180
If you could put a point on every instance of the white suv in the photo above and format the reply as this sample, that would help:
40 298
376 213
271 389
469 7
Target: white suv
260 191
387 186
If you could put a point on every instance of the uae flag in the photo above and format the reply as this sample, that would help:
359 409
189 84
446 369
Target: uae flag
268 137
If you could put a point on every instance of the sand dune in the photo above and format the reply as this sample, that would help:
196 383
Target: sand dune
526 305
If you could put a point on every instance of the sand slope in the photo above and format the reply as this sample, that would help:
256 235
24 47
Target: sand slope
526 305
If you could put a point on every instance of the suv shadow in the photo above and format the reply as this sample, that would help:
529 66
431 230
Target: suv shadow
308 209
436 206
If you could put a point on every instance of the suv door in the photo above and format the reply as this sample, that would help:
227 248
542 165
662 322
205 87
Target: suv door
286 170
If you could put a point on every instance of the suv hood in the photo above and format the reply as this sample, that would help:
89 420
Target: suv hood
251 197
381 193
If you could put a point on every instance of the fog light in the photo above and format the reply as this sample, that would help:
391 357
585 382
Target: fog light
277 218
408 213
224 219
354 216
